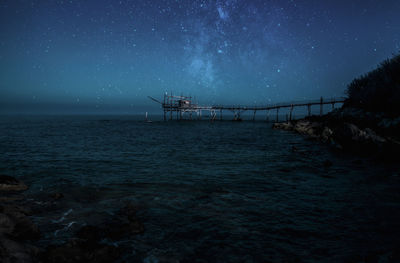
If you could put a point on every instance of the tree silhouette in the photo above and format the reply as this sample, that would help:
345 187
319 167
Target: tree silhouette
378 90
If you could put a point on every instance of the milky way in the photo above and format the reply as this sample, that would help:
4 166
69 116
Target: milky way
102 55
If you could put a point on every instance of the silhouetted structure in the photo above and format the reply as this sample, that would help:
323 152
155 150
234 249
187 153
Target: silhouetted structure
181 104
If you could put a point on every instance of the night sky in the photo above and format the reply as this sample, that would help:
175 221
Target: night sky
109 55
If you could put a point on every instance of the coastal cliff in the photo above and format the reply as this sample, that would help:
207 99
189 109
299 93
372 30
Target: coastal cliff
369 120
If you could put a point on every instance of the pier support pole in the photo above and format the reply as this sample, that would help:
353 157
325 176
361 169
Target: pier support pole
321 108
165 112
309 110
333 105
254 115
267 118
213 115
170 106
277 114
291 112
220 114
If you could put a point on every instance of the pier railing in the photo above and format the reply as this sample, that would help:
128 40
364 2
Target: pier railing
182 105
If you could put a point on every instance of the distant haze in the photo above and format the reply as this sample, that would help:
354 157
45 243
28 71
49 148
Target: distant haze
107 56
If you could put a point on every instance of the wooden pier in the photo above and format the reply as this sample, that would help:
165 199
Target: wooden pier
180 106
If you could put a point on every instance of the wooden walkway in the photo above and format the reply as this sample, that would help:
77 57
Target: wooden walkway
180 105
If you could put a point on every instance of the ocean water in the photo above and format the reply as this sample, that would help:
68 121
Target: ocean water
206 191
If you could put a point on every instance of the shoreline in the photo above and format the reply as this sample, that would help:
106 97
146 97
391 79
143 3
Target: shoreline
351 130
17 231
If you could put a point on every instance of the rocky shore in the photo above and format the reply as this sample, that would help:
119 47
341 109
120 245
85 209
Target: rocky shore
17 232
91 243
352 130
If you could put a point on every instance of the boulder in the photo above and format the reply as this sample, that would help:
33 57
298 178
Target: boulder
371 135
8 183
90 233
91 243
25 229
326 134
7 224
287 126
124 224
15 223
116 231
327 163
56 196
12 251
16 228
80 251
354 138
312 129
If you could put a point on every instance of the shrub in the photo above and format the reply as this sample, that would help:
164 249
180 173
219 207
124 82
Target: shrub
378 90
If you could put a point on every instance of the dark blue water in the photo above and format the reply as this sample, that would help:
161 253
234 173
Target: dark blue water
211 192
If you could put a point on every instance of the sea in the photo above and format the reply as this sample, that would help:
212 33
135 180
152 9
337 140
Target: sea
219 191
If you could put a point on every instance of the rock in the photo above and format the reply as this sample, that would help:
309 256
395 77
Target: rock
88 244
25 229
15 223
352 137
11 198
7 224
8 183
357 162
90 233
326 134
118 231
371 135
81 251
56 196
5 179
125 224
347 133
327 163
15 252
288 126
16 228
306 127
371 257
387 123
166 256
129 211
354 130
302 126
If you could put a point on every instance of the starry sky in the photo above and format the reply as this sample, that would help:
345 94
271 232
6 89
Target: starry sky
109 55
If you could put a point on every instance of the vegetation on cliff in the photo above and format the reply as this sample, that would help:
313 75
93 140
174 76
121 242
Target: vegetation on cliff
378 90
